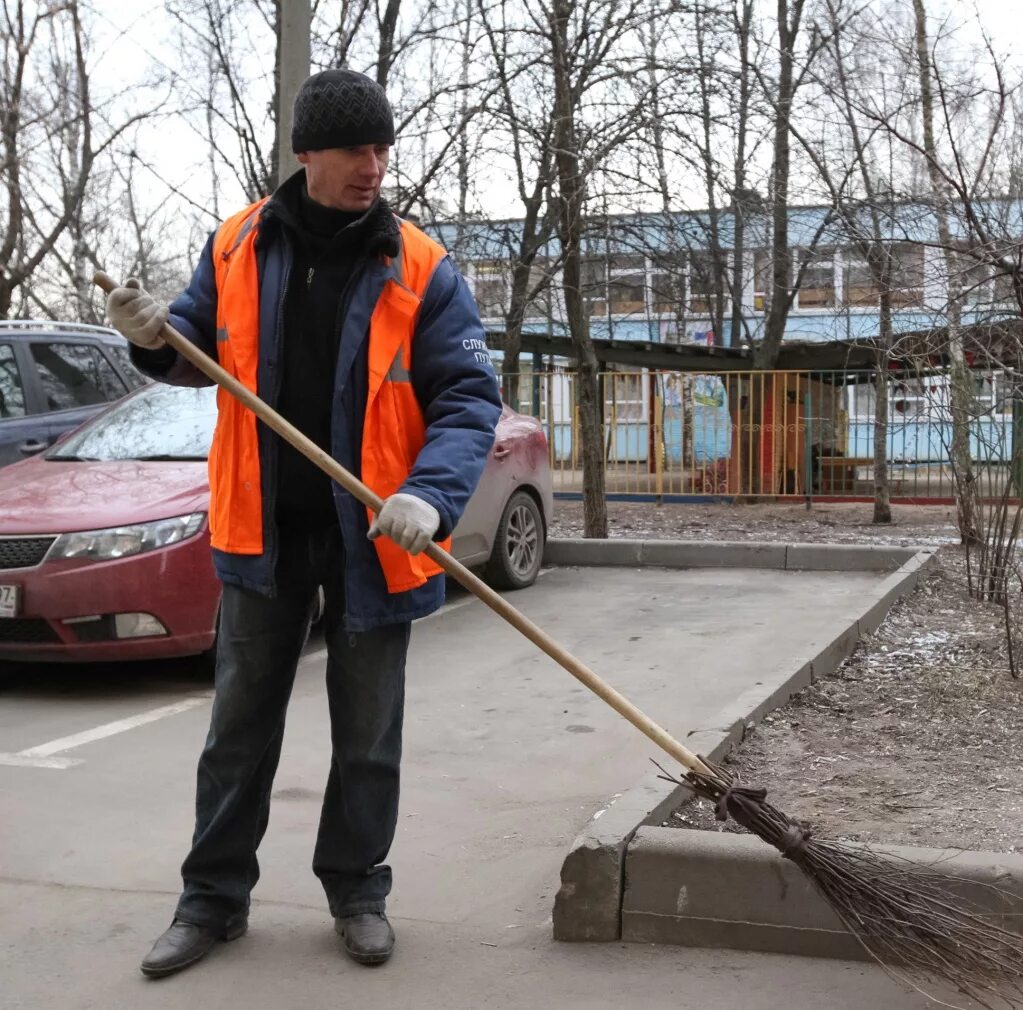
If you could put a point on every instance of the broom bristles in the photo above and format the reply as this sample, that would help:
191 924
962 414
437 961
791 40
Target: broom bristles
900 911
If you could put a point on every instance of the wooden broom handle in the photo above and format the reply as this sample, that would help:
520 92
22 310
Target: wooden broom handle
454 568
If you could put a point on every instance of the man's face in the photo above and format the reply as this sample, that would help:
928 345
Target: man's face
346 178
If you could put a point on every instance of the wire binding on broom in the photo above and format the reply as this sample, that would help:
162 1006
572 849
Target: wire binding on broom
901 912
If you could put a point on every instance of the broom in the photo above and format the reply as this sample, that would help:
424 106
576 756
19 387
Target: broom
899 911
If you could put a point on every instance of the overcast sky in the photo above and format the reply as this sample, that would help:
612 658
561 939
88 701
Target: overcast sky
135 36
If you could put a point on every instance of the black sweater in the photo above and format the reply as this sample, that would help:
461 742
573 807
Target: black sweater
330 249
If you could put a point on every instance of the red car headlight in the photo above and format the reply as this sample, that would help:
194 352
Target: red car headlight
124 541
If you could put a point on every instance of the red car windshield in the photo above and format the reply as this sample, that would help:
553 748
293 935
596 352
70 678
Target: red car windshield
158 423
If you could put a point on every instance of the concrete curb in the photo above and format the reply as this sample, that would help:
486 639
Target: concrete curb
589 903
717 889
727 554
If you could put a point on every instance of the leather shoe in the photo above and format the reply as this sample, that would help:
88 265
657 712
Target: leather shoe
368 937
184 943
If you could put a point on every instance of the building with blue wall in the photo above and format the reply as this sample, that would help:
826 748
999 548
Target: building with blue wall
651 276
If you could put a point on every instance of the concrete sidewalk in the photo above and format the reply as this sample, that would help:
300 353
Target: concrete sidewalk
506 759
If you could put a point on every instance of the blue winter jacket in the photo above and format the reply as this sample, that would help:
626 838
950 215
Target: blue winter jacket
456 388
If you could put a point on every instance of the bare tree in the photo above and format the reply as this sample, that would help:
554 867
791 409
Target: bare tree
700 110
964 161
525 132
961 395
53 135
869 211
712 269
228 93
582 40
743 200
793 69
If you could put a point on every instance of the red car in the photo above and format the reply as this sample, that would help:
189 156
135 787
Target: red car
104 548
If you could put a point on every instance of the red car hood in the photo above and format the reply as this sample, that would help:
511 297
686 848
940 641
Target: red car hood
43 496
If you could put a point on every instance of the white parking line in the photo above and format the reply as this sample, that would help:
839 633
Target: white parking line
45 754
20 761
42 756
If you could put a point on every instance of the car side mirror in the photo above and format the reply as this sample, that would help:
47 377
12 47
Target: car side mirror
31 446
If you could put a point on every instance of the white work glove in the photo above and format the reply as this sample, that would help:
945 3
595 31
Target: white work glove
409 521
136 314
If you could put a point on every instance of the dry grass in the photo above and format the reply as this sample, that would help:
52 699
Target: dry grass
918 738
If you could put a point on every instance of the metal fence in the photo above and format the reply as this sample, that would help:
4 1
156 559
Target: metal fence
728 435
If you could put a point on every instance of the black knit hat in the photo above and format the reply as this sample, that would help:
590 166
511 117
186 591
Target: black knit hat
341 108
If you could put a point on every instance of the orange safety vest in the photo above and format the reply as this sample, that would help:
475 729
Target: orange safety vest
393 430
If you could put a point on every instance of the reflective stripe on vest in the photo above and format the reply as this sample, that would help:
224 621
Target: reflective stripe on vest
393 429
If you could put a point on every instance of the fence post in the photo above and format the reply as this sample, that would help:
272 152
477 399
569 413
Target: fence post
1016 468
552 432
651 442
658 416
535 391
808 448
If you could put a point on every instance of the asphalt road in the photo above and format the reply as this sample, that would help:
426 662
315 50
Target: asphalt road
506 759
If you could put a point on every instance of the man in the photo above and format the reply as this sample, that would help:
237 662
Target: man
355 327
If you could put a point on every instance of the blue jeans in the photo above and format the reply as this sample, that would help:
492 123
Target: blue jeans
258 648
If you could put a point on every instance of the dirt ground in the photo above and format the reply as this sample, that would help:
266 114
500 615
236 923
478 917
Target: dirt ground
838 523
918 737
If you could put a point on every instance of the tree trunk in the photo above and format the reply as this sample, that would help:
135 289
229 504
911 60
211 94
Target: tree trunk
385 52
672 259
960 393
961 396
511 362
570 218
715 282
274 178
882 488
688 424
71 147
740 197
766 353
513 333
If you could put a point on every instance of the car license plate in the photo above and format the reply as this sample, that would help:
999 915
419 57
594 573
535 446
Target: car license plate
9 599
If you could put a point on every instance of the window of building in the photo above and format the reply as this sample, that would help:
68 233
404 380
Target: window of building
490 286
540 295
625 396
912 399
626 289
984 284
668 286
975 282
817 280
703 275
75 375
593 281
858 286
1002 291
907 275
762 279
994 391
861 401
12 395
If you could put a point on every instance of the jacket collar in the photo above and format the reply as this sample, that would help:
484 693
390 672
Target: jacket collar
382 229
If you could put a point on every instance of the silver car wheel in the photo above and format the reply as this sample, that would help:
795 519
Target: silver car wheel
523 540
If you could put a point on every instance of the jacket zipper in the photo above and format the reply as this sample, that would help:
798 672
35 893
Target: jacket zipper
339 321
270 507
